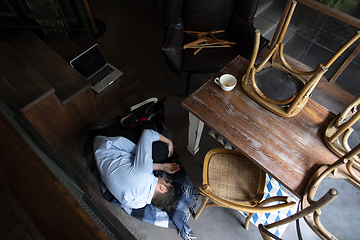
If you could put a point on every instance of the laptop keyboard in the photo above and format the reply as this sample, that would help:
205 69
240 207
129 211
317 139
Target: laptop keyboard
100 75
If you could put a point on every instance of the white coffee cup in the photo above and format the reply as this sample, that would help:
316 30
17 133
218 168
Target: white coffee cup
227 82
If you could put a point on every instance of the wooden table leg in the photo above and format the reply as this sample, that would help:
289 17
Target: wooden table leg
194 135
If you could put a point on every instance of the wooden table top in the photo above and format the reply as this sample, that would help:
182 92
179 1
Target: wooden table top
289 149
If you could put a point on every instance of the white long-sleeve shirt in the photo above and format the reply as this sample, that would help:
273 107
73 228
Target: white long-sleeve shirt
126 168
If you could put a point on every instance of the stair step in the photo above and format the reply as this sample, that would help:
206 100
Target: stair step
67 82
21 85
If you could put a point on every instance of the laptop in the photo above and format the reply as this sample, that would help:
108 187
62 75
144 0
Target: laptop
95 68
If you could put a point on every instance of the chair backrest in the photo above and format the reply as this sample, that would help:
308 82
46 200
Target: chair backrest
206 15
341 169
338 132
315 206
246 8
171 11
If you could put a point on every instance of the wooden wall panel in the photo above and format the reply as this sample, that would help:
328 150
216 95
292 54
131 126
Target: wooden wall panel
110 98
84 108
51 120
59 123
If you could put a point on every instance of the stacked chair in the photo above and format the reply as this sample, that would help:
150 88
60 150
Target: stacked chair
311 209
292 105
338 132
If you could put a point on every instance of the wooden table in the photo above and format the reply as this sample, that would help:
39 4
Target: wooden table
289 149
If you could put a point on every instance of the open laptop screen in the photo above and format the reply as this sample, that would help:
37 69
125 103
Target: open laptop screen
89 61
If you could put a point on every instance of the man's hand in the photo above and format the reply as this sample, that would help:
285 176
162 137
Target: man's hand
171 167
169 143
170 148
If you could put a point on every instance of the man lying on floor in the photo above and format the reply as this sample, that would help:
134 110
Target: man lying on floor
126 159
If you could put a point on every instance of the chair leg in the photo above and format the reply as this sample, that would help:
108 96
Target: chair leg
247 220
188 78
202 206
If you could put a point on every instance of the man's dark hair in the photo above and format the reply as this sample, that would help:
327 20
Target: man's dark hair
164 201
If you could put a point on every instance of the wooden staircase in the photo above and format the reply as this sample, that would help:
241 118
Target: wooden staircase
39 85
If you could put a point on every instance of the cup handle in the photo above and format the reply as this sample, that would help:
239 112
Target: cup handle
217 81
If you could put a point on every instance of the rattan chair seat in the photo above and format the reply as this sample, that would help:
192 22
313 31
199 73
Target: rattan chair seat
235 178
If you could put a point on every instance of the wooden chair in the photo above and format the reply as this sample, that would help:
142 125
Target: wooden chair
231 180
338 132
294 104
344 168
341 169
315 207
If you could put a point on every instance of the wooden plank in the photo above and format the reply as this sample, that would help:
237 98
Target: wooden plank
289 149
20 84
46 201
67 82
